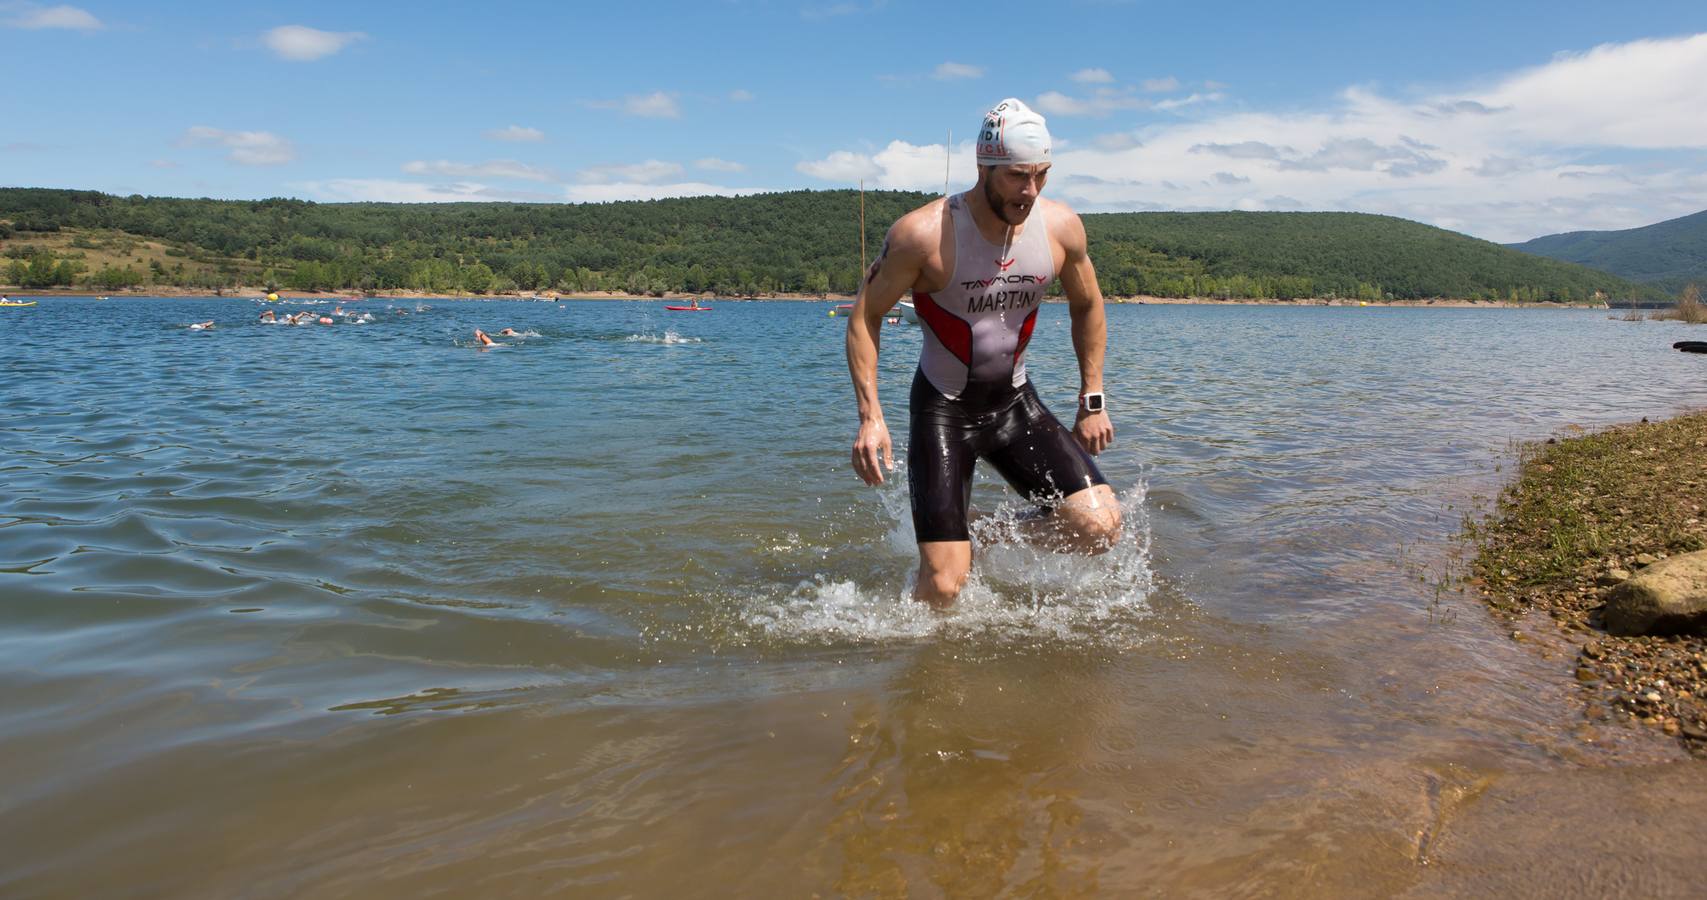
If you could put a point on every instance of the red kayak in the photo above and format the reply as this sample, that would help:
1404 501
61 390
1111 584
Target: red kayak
689 308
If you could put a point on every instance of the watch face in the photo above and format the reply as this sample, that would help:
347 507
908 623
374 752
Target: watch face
1093 403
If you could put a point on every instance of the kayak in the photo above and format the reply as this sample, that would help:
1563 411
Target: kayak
16 303
689 308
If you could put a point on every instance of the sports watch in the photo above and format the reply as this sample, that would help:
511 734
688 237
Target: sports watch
1092 402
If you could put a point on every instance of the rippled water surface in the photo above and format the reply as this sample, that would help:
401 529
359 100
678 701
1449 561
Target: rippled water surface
361 610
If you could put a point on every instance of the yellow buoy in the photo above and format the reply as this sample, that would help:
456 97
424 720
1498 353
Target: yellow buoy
272 297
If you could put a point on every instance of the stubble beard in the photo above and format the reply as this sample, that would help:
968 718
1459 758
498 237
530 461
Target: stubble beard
999 205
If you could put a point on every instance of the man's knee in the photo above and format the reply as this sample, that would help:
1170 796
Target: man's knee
941 583
941 579
1092 522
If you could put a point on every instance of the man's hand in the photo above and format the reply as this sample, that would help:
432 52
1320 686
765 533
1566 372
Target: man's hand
872 440
1093 431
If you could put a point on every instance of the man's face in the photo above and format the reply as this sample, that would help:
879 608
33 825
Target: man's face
1012 191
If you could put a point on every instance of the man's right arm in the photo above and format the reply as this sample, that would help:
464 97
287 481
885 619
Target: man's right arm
893 274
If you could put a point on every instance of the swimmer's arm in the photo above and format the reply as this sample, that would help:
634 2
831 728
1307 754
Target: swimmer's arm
893 274
1084 304
890 277
1090 329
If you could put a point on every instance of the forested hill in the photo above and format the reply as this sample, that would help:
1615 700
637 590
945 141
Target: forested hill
799 241
1667 254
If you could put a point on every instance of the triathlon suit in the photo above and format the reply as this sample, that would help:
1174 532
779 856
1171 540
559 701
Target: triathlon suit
970 398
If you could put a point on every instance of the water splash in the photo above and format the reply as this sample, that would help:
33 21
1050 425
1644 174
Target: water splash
1017 591
668 337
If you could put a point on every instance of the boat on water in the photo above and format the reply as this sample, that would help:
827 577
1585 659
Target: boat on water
17 303
693 306
909 312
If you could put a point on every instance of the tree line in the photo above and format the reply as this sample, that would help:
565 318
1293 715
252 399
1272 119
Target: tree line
785 242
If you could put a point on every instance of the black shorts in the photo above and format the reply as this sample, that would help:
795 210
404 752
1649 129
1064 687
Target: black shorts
1007 426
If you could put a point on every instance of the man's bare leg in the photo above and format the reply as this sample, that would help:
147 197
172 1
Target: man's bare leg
1088 521
943 567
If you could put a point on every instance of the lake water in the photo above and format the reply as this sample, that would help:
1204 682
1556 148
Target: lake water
363 611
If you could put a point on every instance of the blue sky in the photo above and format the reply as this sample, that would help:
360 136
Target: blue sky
1504 120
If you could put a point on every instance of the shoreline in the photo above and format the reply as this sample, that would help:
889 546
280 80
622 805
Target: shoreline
1140 299
1582 513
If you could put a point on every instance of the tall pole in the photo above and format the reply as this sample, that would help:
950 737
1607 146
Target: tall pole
861 231
947 161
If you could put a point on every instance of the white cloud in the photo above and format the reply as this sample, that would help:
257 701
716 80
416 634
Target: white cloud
649 172
841 166
516 134
299 43
1160 85
1177 102
379 190
606 193
1641 94
741 95
1118 141
713 164
249 148
656 105
1093 76
1535 151
34 16
953 71
497 168
899 166
1101 102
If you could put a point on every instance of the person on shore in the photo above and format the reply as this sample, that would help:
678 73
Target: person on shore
977 265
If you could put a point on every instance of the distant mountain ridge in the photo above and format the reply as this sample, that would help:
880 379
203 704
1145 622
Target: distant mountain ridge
1666 254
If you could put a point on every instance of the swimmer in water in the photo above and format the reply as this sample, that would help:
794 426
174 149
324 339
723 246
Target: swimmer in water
509 332
978 265
268 316
324 320
483 339
202 326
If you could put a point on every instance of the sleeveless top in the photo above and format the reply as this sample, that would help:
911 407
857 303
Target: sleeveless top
977 327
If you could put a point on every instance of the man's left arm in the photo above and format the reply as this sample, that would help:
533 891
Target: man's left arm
1094 431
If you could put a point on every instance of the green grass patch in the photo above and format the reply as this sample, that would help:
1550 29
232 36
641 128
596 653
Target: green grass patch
1583 505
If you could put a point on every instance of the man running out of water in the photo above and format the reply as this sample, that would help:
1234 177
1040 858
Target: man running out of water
977 265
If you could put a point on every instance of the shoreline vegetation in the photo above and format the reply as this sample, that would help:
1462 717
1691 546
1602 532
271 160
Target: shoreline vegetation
784 244
250 293
1584 513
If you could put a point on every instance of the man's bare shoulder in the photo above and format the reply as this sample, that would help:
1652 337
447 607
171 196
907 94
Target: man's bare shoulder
1064 224
919 231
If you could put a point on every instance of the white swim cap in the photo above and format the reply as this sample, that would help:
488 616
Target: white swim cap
1012 134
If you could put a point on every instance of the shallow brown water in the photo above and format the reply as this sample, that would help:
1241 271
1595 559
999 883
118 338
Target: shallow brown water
431 630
